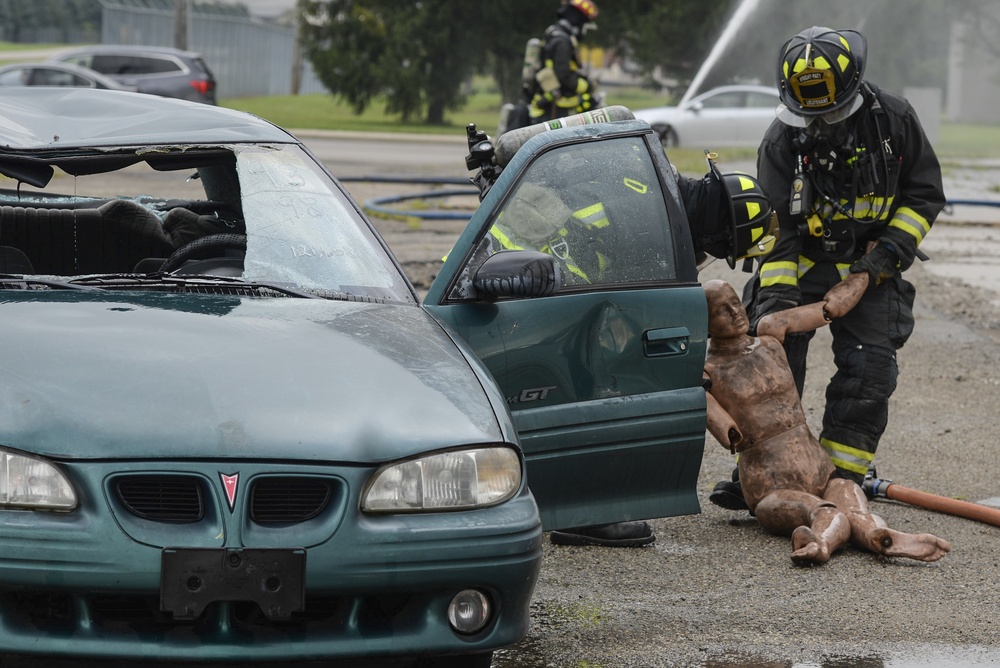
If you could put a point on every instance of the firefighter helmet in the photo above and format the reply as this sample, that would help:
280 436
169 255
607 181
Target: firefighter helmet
820 73
585 7
753 224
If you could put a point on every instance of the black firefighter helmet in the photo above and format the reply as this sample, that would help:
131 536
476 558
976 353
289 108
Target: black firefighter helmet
746 225
820 72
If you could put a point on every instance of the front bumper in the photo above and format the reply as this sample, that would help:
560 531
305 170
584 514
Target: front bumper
88 583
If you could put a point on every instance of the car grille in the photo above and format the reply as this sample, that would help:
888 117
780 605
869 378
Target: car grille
279 500
162 498
138 618
181 498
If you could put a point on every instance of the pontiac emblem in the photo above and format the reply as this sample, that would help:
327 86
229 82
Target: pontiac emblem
230 483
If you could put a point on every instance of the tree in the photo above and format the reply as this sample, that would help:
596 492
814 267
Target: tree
504 30
51 19
415 54
675 35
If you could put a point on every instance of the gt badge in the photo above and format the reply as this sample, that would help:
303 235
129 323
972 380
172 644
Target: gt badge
230 483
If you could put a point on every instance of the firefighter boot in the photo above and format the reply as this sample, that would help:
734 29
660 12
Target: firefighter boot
728 494
621 534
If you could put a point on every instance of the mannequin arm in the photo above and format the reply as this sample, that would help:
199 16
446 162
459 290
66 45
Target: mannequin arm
721 425
837 302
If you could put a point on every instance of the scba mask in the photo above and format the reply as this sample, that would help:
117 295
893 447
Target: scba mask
830 124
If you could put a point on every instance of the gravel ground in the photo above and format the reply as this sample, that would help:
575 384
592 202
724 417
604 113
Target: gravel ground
715 590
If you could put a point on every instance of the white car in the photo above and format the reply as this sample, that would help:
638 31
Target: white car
734 115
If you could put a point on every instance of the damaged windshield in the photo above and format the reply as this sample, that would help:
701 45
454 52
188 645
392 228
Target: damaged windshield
260 215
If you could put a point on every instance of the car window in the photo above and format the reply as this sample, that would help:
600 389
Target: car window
299 228
761 100
132 64
43 76
12 78
203 66
302 230
83 60
597 208
723 101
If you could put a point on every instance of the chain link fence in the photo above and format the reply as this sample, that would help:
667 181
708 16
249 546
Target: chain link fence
249 57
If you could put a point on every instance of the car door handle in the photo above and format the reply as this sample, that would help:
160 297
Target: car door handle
666 342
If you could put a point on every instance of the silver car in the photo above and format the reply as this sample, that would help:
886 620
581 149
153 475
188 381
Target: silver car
156 70
56 74
725 116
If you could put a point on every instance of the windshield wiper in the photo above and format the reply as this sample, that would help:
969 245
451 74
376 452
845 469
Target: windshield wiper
126 280
7 279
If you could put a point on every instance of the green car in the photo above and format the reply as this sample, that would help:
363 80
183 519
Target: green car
230 430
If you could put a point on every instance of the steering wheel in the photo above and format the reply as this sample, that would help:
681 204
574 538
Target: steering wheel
218 243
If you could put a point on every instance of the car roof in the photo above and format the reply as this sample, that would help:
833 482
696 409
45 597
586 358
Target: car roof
42 118
126 48
739 87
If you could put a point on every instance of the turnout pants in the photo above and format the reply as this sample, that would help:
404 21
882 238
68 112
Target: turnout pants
865 342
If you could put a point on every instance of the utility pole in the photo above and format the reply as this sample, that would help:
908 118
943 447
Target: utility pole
297 52
181 24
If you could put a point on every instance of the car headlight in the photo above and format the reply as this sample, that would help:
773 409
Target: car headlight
33 484
455 480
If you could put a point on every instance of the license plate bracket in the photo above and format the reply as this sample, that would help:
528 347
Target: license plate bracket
192 578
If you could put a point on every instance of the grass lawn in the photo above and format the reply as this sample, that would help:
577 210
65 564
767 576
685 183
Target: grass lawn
323 112
320 111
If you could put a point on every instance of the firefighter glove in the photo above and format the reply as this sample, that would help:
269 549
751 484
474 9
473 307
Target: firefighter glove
881 263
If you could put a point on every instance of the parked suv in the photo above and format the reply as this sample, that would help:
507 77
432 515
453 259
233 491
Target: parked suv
149 69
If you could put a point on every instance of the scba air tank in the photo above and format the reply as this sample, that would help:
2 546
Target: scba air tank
508 143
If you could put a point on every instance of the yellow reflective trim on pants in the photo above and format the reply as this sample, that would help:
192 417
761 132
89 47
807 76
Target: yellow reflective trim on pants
592 216
848 458
779 273
911 222
844 270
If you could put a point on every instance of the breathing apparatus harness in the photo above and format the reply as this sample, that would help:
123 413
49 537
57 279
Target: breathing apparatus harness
818 157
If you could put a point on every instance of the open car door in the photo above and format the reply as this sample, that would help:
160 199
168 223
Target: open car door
601 368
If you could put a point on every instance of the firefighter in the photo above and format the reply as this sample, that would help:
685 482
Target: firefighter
560 88
546 223
856 186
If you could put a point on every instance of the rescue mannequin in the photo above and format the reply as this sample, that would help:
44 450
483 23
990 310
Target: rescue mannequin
754 409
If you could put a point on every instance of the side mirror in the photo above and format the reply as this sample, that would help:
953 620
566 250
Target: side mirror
517 274
696 107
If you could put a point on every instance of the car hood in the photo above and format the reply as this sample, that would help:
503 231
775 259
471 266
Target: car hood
658 114
94 375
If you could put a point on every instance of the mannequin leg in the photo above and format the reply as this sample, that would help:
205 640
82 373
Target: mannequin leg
818 527
870 532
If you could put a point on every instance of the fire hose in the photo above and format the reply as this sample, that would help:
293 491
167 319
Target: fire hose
876 487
